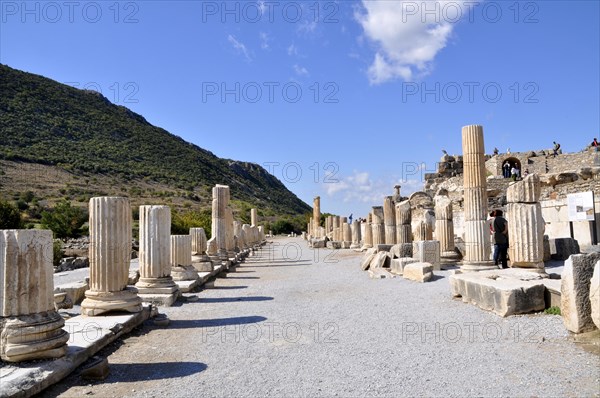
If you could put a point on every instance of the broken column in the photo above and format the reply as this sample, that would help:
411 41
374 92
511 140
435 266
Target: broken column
156 284
181 258
30 326
403 222
346 235
526 224
477 234
389 216
444 226
336 228
200 259
356 235
378 226
110 255
220 201
316 217
368 238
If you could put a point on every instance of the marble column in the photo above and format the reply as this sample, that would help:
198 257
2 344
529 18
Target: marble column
155 247
200 259
477 235
378 226
356 235
230 237
403 222
110 256
526 224
253 217
423 231
389 218
444 226
316 216
336 228
220 202
347 234
368 238
181 258
30 326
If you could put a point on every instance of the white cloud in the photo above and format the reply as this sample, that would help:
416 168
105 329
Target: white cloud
292 50
239 46
408 35
300 70
264 40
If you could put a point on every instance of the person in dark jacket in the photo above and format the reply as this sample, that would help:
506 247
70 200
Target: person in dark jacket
500 227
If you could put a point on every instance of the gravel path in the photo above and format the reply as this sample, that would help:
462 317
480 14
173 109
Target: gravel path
289 324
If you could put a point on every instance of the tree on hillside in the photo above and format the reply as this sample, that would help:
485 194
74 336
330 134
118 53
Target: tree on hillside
10 217
64 220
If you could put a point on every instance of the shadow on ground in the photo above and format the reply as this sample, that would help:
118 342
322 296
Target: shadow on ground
234 299
205 323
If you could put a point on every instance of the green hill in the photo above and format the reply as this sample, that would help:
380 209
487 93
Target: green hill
46 122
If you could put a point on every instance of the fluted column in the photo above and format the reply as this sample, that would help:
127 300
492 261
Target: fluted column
389 217
356 235
30 326
198 241
316 216
378 226
155 246
477 236
526 224
181 258
444 226
347 233
403 222
110 255
336 228
368 238
219 219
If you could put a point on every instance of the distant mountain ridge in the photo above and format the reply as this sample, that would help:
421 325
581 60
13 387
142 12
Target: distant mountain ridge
43 121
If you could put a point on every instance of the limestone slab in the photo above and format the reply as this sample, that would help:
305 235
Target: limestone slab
575 304
595 295
418 272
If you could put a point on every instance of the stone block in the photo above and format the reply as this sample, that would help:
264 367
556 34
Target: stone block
332 244
397 264
427 251
366 262
418 272
595 295
380 260
75 291
563 248
575 304
382 248
96 371
506 292
402 250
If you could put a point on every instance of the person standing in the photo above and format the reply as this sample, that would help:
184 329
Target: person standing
595 144
556 148
506 169
500 227
350 219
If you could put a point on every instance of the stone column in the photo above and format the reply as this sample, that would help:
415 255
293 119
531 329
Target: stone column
477 235
389 217
403 222
346 235
378 226
181 258
230 237
219 219
397 197
444 226
368 238
30 326
155 247
200 259
356 236
423 232
526 224
316 216
110 256
336 228
253 217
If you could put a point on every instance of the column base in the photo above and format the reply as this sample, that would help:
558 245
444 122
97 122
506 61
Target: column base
97 303
200 258
203 266
476 267
35 336
164 285
186 273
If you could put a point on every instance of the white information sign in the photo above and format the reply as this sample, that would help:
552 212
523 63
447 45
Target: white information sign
581 206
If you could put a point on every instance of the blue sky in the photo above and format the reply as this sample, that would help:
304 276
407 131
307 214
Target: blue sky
342 99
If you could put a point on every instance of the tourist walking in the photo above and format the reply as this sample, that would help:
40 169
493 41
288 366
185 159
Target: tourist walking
514 173
556 148
500 227
506 169
595 144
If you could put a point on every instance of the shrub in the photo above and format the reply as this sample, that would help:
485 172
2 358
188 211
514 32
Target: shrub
64 220
57 252
182 222
554 310
10 217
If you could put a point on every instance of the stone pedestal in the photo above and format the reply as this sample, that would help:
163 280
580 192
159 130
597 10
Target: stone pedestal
389 220
526 224
427 252
378 226
356 236
477 235
181 258
110 255
30 327
200 259
403 222
156 284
